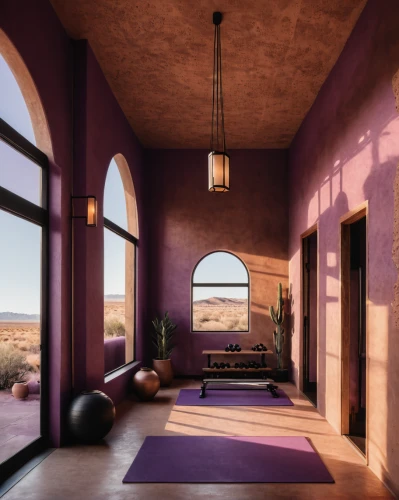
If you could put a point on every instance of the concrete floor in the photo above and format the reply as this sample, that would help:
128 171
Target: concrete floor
96 472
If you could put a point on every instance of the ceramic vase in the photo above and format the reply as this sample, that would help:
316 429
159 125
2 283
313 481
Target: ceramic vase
146 384
20 390
163 367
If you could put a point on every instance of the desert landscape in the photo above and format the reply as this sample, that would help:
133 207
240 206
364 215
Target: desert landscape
114 317
220 314
24 336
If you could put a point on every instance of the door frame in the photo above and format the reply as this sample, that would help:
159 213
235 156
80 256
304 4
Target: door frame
345 222
312 229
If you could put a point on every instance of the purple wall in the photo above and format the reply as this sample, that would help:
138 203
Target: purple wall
347 152
188 222
101 132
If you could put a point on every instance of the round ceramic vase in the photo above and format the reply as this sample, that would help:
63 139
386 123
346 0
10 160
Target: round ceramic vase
146 384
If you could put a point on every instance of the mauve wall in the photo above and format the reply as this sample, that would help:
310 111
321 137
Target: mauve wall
101 132
346 152
39 37
188 222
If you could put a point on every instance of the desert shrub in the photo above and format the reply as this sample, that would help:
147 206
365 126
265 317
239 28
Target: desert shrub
13 366
204 318
34 349
114 328
214 326
34 361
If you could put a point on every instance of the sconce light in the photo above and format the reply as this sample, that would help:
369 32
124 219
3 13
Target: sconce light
91 210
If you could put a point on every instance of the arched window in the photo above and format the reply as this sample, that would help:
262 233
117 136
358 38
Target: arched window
23 251
120 243
220 294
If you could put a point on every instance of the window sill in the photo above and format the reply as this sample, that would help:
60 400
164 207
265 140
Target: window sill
120 371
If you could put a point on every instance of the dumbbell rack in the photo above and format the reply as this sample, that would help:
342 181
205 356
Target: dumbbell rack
221 371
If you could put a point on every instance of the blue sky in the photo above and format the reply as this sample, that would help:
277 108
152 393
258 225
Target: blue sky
220 267
21 241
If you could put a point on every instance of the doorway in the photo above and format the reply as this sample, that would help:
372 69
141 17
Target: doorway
354 327
309 301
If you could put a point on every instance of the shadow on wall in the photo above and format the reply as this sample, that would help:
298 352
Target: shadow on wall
363 167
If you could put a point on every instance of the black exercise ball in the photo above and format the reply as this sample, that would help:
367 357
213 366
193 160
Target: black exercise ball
91 416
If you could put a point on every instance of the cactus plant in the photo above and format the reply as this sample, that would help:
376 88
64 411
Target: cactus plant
277 317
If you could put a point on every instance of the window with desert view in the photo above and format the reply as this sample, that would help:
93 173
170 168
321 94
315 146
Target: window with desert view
220 294
120 240
23 219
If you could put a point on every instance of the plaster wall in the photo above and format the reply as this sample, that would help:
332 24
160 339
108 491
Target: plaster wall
188 222
101 132
345 153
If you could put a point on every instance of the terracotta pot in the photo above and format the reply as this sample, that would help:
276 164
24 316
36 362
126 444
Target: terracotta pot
146 384
164 369
20 390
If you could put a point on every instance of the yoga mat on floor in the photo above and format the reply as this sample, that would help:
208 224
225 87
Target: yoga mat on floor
232 397
217 459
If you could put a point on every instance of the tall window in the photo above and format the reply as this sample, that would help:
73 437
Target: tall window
220 294
120 243
23 267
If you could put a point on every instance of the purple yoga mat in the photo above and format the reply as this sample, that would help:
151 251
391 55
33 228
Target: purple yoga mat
232 397
216 459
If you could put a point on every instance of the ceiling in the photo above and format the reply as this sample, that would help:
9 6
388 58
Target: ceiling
157 57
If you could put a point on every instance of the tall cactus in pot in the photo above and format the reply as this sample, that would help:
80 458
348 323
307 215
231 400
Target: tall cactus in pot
277 317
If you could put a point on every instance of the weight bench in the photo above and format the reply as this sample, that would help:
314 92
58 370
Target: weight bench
228 381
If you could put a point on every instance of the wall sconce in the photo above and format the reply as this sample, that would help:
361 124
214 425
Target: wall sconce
91 210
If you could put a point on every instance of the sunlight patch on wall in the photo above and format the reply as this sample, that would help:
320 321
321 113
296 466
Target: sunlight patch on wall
313 210
377 349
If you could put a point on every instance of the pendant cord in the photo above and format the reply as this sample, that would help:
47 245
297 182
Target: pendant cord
217 95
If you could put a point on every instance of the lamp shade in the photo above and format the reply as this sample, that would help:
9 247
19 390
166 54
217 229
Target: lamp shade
218 172
91 211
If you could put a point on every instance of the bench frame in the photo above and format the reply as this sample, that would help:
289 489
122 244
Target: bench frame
269 386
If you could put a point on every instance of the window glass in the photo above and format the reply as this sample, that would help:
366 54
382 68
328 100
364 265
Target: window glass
20 309
119 265
13 109
19 174
114 197
220 267
216 306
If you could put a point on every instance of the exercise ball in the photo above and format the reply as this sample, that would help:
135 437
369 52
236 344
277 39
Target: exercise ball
91 416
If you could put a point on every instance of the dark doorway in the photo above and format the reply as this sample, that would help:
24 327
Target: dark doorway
354 296
309 300
357 357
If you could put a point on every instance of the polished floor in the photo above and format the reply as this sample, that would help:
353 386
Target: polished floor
96 472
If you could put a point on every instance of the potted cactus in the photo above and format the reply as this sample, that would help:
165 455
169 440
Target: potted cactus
162 340
277 317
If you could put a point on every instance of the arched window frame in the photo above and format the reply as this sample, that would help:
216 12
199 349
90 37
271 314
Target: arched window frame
215 285
132 221
36 214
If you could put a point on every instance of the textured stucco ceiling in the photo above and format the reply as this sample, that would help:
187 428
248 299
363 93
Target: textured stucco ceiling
157 57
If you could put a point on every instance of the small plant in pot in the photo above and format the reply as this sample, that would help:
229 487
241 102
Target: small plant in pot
277 317
162 340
